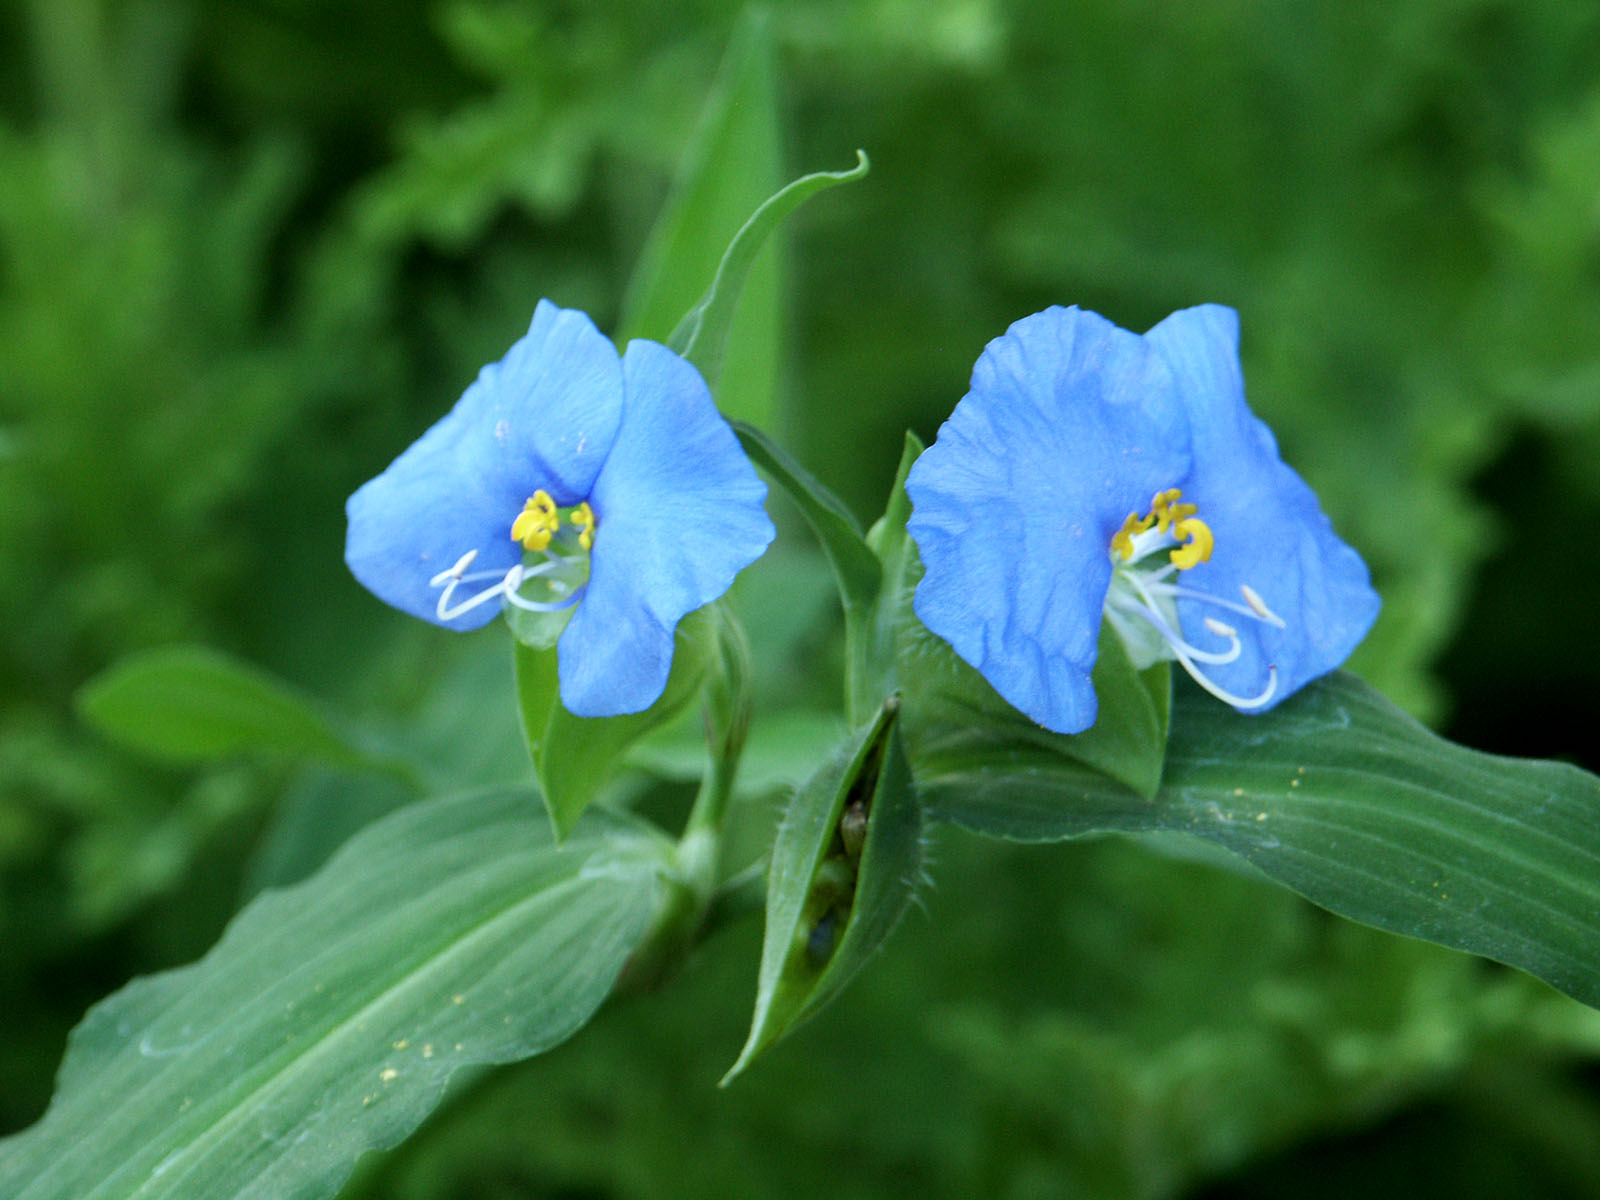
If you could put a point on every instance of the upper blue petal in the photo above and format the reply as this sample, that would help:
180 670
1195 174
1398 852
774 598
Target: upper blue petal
1271 534
544 416
547 413
1070 424
679 512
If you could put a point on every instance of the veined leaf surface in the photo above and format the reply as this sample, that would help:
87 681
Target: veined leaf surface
1345 799
330 1016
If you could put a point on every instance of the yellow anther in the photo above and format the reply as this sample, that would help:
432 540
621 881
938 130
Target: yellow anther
1122 540
1197 536
583 518
1169 515
537 522
1168 511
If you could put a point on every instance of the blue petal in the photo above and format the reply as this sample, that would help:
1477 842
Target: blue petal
1271 534
1070 424
418 518
545 416
679 512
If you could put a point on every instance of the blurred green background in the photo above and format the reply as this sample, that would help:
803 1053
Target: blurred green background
250 248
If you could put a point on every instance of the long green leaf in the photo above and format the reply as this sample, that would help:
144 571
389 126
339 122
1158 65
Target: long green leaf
190 704
854 565
702 335
856 568
1348 801
873 650
328 1019
732 165
845 860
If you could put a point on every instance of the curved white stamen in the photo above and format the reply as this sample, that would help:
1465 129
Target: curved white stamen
1214 658
1255 607
554 573
454 573
1259 607
1190 656
1142 585
1152 613
448 612
479 576
549 567
540 605
1182 649
1178 591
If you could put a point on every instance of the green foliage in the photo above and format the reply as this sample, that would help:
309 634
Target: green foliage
954 713
574 757
1347 800
844 861
856 570
187 704
703 335
731 167
330 1017
1151 1025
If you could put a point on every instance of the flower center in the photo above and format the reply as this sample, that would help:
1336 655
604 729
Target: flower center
1142 603
540 520
1168 521
554 568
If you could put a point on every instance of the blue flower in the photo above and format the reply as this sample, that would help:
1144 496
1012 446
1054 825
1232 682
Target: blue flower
567 477
1091 473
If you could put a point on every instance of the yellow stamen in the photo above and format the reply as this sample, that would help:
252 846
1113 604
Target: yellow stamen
1122 540
1169 515
537 522
1197 534
583 518
1167 510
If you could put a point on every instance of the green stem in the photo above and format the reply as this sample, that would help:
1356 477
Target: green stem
727 725
864 673
692 887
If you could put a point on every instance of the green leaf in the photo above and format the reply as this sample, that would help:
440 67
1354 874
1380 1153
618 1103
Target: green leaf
855 568
854 565
1128 739
875 660
329 1018
733 164
319 811
953 714
1340 796
888 537
189 704
845 860
573 757
702 335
